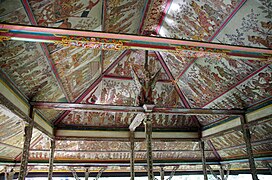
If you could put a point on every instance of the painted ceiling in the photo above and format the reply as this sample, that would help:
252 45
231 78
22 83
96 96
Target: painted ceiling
56 73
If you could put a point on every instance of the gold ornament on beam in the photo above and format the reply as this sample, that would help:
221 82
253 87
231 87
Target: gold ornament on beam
91 42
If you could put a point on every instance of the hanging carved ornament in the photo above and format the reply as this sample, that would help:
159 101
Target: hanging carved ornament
91 42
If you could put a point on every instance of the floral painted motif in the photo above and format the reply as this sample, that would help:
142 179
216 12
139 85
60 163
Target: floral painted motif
252 28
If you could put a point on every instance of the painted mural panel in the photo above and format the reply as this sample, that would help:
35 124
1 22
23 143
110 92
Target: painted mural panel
108 156
12 128
123 16
154 14
176 63
109 56
93 145
208 78
196 20
209 119
228 140
261 131
13 12
70 14
249 92
251 26
136 60
27 67
241 152
77 68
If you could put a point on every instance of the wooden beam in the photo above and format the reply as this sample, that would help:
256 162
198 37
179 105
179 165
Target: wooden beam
51 159
134 109
204 166
149 158
62 134
137 121
247 138
132 147
27 139
56 35
162 173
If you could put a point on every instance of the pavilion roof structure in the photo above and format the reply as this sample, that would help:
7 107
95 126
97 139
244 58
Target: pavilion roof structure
70 62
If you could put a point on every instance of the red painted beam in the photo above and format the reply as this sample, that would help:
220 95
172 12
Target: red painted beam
130 41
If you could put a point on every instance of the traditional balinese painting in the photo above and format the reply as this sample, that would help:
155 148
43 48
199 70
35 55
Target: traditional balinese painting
196 20
13 12
210 78
206 120
77 68
109 56
68 14
123 16
28 68
136 60
251 26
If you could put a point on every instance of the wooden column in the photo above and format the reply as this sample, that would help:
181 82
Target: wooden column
87 173
202 150
132 146
162 173
51 159
27 139
247 137
148 136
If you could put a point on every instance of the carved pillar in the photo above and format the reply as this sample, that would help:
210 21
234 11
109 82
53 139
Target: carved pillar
202 149
27 138
247 137
51 159
162 173
132 173
148 136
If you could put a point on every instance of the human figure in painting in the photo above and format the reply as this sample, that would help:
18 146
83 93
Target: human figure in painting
146 84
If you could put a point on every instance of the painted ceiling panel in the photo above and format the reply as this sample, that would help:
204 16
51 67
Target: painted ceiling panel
49 114
196 20
176 63
241 152
208 79
154 15
205 120
123 120
9 153
123 16
12 128
77 68
136 60
248 92
250 26
13 12
79 14
262 131
109 56
26 65
108 156
228 140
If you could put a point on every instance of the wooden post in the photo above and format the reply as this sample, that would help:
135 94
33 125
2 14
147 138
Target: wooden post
247 137
87 173
202 150
148 136
27 139
51 159
132 173
162 173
